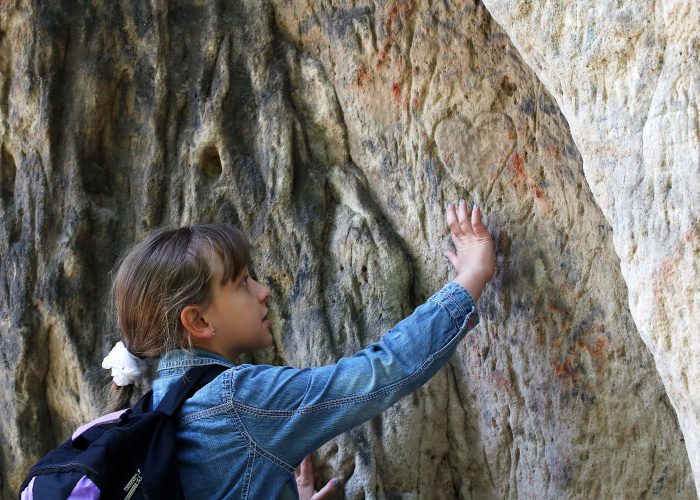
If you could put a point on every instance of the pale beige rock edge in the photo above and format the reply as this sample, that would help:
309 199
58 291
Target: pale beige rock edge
626 77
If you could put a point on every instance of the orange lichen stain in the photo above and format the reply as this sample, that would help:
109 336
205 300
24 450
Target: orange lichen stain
401 11
556 309
538 192
415 101
518 164
666 270
554 151
361 76
427 30
502 383
395 92
382 56
405 104
565 370
597 351
448 156
690 235
422 134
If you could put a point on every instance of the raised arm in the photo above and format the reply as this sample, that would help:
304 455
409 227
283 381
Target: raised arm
289 413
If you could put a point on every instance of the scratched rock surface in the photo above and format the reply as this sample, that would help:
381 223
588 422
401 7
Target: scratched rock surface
334 135
627 78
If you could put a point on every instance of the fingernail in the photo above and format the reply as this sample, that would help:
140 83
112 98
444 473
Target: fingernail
475 205
336 482
449 205
461 201
445 255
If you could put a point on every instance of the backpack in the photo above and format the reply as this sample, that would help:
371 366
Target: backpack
126 455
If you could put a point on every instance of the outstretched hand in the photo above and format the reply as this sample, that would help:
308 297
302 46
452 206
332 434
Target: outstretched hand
305 483
475 260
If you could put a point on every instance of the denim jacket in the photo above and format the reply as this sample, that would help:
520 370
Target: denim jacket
243 435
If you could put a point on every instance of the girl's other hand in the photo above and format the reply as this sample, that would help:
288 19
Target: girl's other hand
305 483
475 260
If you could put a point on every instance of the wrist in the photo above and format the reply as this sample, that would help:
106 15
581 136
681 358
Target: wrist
473 284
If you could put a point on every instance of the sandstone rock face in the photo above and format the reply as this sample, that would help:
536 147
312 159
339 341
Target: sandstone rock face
626 77
334 135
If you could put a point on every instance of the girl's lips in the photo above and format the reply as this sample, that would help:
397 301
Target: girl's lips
267 321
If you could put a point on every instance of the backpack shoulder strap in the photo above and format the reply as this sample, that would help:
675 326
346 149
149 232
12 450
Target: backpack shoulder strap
193 380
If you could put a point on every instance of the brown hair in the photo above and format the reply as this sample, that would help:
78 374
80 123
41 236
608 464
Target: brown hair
158 277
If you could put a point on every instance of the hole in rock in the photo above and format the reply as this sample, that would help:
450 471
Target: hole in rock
211 164
8 172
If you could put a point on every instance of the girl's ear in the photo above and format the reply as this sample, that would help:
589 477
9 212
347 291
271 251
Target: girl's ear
194 323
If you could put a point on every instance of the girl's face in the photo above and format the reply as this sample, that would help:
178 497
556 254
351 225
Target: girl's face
237 315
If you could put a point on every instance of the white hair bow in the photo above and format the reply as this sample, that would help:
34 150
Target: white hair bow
126 368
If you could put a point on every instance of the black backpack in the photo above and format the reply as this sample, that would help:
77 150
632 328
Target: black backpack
126 455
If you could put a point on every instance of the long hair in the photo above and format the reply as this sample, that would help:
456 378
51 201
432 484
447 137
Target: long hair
157 278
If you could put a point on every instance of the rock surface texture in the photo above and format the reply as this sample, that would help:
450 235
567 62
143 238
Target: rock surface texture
334 135
627 78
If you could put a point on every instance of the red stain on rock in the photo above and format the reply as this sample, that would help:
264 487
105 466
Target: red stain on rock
565 370
395 91
361 76
415 101
666 271
502 383
400 11
518 164
554 151
599 350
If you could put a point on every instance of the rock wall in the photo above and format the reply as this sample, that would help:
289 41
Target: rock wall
626 77
334 135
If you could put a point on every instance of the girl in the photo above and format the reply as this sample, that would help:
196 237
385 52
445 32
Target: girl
185 295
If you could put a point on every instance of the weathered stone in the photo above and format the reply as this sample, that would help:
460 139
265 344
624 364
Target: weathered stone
627 78
334 135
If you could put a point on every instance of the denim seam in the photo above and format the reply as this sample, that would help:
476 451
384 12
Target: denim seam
273 458
454 320
184 363
355 399
457 303
243 430
214 410
249 472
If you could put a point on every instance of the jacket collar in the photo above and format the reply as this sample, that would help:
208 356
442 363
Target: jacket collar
180 360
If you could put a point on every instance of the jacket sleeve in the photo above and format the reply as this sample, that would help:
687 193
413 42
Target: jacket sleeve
290 413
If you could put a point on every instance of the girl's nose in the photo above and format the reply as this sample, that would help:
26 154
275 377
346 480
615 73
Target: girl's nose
265 293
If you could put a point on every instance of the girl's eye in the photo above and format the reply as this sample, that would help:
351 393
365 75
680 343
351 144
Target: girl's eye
245 280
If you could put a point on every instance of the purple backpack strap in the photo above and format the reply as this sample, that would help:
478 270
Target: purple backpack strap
85 490
59 485
110 417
